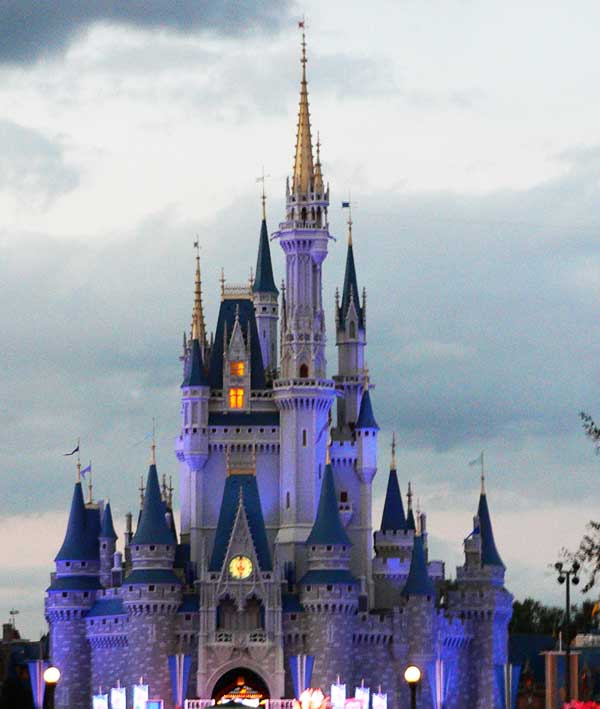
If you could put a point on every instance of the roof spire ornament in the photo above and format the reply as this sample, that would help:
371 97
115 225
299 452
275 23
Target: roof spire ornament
153 445
198 327
318 183
303 164
393 461
263 197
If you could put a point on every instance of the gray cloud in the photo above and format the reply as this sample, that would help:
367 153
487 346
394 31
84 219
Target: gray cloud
31 30
33 167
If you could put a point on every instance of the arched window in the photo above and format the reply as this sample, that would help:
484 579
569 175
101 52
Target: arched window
303 371
352 330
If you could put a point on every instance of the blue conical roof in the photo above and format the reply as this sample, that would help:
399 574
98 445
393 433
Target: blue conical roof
76 545
489 553
418 582
153 527
366 418
410 520
350 291
263 280
195 374
328 527
108 530
393 510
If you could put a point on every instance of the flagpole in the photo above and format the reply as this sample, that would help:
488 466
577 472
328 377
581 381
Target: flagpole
482 474
78 463
90 487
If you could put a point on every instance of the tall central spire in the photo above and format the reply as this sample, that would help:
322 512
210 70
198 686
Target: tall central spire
198 327
303 165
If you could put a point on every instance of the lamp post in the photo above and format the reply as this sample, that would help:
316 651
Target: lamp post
412 675
567 576
51 677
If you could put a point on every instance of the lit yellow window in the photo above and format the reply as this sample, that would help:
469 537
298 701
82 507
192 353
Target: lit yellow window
237 369
236 398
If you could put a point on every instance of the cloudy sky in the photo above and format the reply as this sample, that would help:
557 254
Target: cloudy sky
469 136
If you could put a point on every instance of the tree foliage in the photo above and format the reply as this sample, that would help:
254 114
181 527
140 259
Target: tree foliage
531 616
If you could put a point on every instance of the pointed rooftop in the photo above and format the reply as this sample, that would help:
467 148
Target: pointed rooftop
328 528
76 546
303 163
350 292
366 418
240 489
263 280
489 552
153 527
107 530
195 372
393 517
198 326
418 582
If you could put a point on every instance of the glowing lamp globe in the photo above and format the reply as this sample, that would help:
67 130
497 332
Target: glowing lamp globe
51 675
412 674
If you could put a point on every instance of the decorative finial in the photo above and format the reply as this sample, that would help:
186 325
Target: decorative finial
263 197
198 327
482 474
303 164
164 487
222 282
251 279
318 181
393 463
170 490
409 495
328 449
141 489
90 485
153 445
365 378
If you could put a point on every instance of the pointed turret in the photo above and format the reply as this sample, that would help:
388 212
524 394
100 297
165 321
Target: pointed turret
318 186
153 527
418 582
195 374
350 293
198 326
303 163
393 517
366 418
264 281
489 553
328 528
76 545
107 530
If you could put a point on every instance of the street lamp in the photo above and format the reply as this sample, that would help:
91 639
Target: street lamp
412 675
51 677
567 576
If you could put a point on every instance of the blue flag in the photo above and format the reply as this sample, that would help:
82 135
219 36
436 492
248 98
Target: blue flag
88 469
345 205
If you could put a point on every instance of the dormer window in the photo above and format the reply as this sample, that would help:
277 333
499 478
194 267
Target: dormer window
236 398
237 369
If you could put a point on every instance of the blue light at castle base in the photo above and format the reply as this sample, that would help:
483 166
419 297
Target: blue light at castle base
276 555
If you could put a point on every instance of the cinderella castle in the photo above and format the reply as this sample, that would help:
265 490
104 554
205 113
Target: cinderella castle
276 553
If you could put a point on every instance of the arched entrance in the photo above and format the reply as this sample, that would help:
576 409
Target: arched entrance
240 685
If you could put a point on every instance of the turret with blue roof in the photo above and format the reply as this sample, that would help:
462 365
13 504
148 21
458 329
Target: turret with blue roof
410 516
263 278
393 519
328 542
489 552
366 417
108 539
418 582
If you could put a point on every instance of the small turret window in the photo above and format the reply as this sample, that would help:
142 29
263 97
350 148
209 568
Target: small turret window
237 369
236 398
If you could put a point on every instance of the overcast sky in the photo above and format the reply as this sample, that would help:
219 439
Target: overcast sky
469 136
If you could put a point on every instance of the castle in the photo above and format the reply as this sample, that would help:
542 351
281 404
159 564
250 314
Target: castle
276 553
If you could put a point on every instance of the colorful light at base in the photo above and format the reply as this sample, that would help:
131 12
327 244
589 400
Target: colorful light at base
118 698
363 694
140 696
379 700
100 701
338 695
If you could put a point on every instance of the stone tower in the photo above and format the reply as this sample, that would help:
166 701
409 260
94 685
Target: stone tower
303 393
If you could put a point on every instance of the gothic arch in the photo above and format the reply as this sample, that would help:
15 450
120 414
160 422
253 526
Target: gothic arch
229 672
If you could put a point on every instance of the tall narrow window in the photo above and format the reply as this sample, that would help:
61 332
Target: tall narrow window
236 398
237 369
304 437
303 371
287 500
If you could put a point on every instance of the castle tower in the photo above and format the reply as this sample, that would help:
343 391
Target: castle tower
350 321
366 466
108 541
303 394
192 443
328 591
393 544
151 593
71 594
419 610
482 599
265 297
